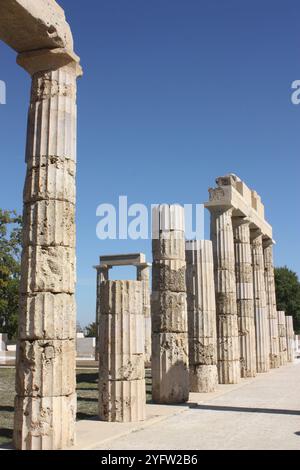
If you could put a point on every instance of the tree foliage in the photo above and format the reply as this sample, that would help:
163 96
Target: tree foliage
10 270
91 331
288 294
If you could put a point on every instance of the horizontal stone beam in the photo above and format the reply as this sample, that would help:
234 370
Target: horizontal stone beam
229 196
27 25
131 259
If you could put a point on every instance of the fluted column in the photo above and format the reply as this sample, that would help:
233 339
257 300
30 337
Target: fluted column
202 327
170 376
260 304
271 304
245 296
282 338
225 282
143 275
290 338
102 275
122 393
45 405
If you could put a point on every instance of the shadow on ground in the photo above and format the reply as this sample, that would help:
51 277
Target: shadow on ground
241 409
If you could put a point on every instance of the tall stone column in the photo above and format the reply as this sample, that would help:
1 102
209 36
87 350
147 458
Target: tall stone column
143 275
170 375
260 304
225 282
282 338
202 327
102 275
45 404
245 298
122 391
290 337
271 304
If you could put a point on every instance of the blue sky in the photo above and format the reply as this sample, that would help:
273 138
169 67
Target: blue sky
175 93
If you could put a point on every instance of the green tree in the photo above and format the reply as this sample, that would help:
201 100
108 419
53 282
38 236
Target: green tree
10 268
288 294
90 330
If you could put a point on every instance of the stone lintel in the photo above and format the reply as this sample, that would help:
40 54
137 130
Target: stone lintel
231 195
31 25
130 259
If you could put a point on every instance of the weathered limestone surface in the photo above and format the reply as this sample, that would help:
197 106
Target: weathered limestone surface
137 260
245 300
143 275
201 316
35 325
170 376
30 25
260 304
282 338
170 312
45 422
45 376
45 368
290 338
169 275
121 355
271 304
225 282
122 401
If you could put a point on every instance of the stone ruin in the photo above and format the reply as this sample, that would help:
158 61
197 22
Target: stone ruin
122 390
213 303
137 260
45 405
247 325
198 339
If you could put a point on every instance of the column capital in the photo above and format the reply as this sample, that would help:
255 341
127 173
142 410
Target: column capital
255 233
268 242
221 209
102 268
46 60
143 265
237 221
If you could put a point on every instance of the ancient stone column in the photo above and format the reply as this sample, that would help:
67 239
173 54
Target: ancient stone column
245 298
170 375
260 304
290 336
143 275
271 303
225 282
45 405
202 326
122 391
282 338
102 275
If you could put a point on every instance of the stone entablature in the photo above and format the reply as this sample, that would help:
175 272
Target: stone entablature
234 193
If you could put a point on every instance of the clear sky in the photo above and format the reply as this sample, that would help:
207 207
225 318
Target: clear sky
175 93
